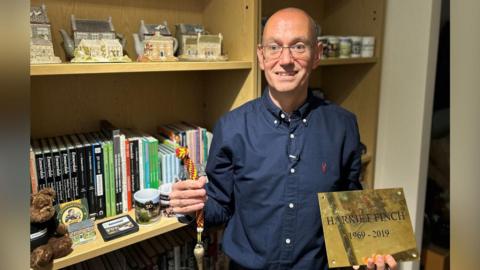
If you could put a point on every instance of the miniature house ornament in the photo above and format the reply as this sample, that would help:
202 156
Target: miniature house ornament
196 44
41 46
94 41
154 42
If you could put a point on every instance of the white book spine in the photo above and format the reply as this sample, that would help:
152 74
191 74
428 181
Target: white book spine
124 174
140 164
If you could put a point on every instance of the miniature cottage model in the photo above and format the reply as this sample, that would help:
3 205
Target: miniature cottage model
41 46
209 46
187 37
93 41
154 42
197 45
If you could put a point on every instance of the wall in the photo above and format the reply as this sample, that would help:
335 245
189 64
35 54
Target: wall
406 98
465 134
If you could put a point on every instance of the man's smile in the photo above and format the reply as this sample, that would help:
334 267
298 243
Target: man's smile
286 73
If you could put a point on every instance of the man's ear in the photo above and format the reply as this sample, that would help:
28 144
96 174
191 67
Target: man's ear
260 57
318 50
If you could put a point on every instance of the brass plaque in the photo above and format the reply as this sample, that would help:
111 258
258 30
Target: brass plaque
359 224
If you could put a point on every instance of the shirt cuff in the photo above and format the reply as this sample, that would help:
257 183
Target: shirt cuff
185 219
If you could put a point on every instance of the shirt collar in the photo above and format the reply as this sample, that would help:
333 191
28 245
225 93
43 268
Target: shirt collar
302 111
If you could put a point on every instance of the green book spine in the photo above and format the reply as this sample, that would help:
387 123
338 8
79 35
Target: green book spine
106 179
151 158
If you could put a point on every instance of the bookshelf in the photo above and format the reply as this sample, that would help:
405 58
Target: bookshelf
71 98
98 68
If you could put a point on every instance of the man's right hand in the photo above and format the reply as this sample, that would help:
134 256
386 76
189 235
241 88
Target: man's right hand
188 196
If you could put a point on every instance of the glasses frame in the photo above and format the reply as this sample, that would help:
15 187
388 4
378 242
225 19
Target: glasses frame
292 54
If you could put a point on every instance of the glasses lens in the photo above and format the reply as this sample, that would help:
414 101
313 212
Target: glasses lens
273 51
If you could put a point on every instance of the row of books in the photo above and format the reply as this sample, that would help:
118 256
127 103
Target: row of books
108 166
169 251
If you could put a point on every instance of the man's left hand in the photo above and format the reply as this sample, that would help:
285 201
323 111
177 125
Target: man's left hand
380 262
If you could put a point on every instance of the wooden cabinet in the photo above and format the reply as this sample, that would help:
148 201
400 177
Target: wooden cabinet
68 98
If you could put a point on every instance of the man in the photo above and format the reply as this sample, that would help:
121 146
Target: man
270 157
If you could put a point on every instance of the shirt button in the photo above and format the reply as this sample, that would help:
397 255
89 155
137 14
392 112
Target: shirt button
275 122
282 115
290 205
304 120
292 136
287 241
292 170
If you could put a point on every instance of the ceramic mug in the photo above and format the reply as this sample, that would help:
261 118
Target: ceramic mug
147 206
368 45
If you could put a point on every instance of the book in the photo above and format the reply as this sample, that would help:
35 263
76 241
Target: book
72 166
39 165
109 186
90 174
57 171
99 174
118 171
49 169
32 171
65 169
82 176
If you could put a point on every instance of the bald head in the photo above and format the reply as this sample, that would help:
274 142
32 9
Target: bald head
288 16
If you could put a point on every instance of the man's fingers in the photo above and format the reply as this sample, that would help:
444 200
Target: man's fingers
188 209
391 262
189 184
187 194
380 262
370 263
186 202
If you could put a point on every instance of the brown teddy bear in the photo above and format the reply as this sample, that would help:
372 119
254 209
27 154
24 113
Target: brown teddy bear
48 239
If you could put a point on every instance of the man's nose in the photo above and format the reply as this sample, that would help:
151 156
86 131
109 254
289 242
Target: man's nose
286 56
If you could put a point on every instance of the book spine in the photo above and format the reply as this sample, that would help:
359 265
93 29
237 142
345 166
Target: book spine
156 163
146 164
112 178
57 174
73 163
118 173
99 182
141 167
123 168
106 179
161 157
134 165
41 174
82 171
128 174
33 172
50 174
67 183
89 162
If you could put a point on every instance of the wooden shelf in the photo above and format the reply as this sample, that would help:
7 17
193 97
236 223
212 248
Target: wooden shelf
347 61
94 68
98 246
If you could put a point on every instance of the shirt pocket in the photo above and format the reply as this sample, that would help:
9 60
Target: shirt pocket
322 166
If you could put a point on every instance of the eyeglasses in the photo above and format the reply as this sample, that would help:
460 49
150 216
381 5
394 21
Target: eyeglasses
273 51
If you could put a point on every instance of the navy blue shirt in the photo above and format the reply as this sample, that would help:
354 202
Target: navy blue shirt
265 169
